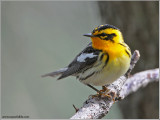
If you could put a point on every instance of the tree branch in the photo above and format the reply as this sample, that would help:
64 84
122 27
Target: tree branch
98 107
138 80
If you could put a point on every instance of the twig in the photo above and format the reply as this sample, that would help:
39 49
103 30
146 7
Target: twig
76 109
96 107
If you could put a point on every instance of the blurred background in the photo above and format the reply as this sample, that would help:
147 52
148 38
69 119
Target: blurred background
40 37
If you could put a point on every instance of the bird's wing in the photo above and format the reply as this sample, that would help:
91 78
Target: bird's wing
82 61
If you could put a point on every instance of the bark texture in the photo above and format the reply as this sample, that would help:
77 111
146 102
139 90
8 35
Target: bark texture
98 107
139 23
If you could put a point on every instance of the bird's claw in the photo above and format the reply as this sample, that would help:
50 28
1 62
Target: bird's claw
105 92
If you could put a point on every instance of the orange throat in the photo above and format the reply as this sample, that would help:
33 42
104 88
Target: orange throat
112 48
99 44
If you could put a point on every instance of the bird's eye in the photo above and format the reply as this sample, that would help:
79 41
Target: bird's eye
103 34
113 34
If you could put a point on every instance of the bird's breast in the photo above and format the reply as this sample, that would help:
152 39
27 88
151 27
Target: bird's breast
102 74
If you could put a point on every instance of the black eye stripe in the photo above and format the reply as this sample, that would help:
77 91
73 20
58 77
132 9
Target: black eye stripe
102 34
108 35
113 34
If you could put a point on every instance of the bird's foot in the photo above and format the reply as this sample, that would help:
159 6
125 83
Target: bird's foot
105 93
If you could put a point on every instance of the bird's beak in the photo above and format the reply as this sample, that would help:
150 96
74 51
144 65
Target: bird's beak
88 35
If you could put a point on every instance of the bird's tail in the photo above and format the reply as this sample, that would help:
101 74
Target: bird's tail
56 73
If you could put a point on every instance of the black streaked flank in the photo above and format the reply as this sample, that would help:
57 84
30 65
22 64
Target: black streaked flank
127 53
106 61
87 76
101 57
85 69
107 58
122 44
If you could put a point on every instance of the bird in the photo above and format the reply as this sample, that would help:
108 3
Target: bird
102 61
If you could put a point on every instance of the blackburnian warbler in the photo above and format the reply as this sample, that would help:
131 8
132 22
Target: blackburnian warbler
103 61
